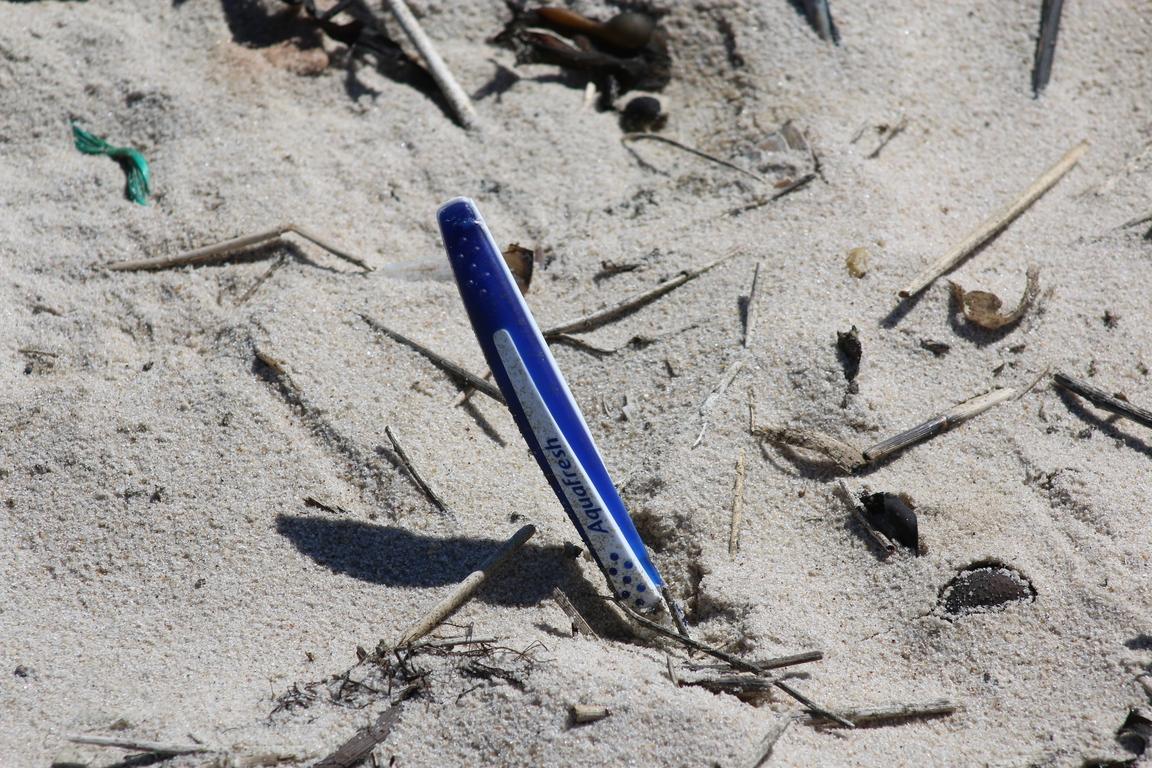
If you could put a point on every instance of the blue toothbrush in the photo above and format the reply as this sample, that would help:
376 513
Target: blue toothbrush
543 407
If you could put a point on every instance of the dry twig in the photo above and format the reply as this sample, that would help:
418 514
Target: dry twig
466 588
847 457
680 145
217 252
940 423
764 748
455 369
604 316
365 740
135 745
417 478
1102 399
880 715
455 96
995 223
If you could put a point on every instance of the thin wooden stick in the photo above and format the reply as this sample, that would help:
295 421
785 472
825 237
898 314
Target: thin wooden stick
764 748
365 740
738 663
737 507
878 715
466 588
604 316
692 150
453 93
417 478
135 745
444 363
995 223
579 623
938 424
211 254
1102 399
452 642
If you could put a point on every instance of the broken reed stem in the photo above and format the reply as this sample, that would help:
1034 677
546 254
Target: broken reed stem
604 316
466 588
692 150
135 745
588 713
737 506
579 623
452 642
417 478
878 715
453 93
218 252
937 424
764 748
738 663
881 540
357 748
995 223
444 363
1102 399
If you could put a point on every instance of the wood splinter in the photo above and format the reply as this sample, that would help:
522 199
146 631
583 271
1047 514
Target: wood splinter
995 223
466 588
212 254
417 478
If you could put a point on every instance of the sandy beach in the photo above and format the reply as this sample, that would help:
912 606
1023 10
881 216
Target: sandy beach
165 578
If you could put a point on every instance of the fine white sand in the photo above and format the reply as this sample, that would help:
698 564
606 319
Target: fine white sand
161 577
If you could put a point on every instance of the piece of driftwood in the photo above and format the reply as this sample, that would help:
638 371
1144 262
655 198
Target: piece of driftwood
136 745
630 137
579 623
417 478
764 749
463 591
983 307
895 712
455 369
1102 399
604 316
940 423
738 663
217 252
1050 11
995 223
455 96
737 506
365 740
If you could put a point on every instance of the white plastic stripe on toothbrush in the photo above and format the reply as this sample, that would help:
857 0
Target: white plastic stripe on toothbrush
543 407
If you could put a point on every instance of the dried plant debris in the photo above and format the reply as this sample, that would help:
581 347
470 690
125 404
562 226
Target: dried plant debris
982 308
1050 11
627 52
857 262
846 457
587 713
894 516
848 345
984 588
937 348
522 262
